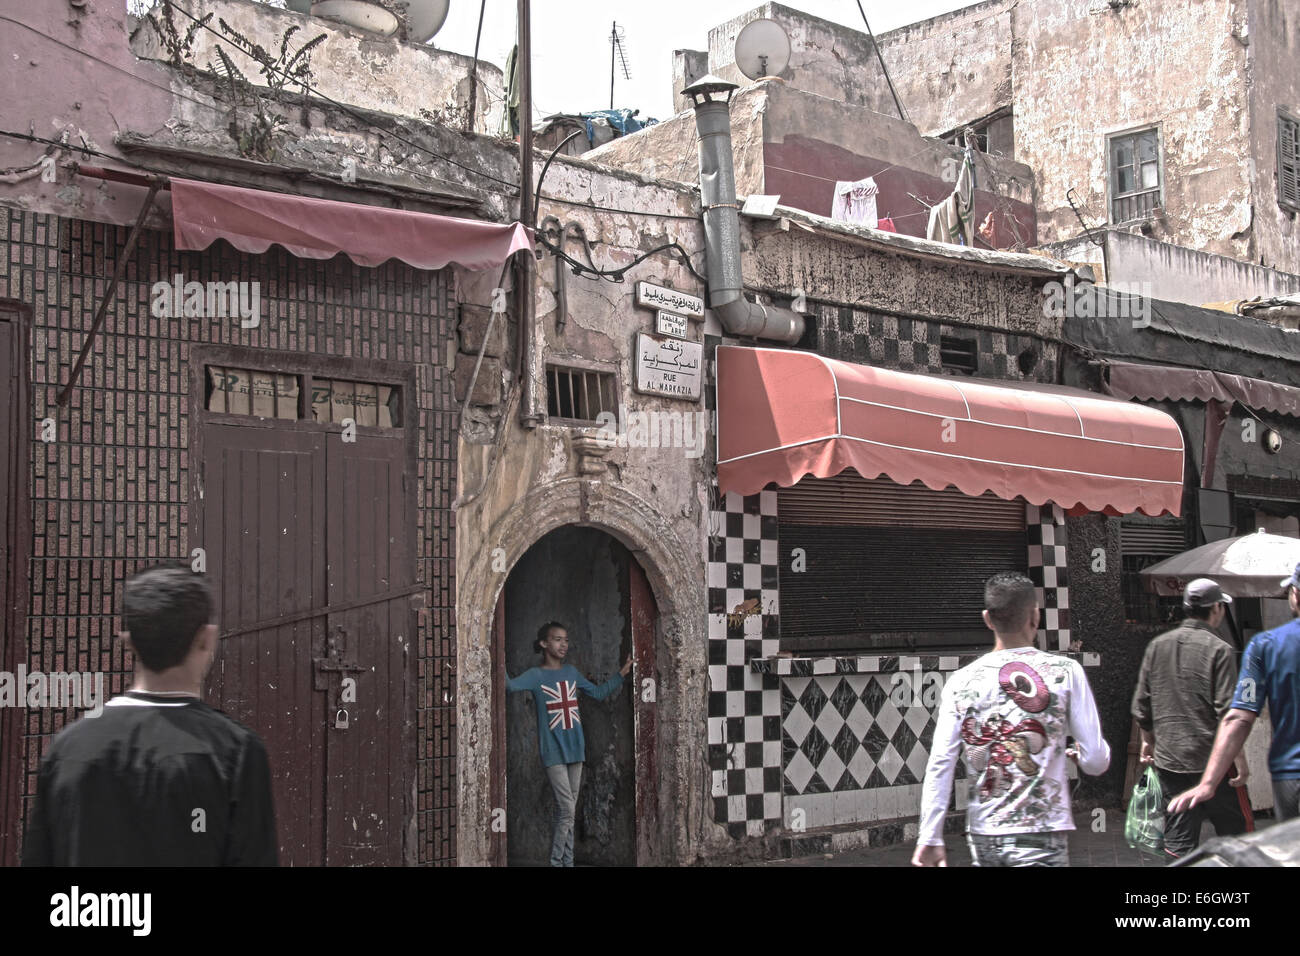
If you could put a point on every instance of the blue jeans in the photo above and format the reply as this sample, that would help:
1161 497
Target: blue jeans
1020 849
565 780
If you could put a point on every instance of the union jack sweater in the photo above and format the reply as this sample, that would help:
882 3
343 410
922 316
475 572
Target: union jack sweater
559 726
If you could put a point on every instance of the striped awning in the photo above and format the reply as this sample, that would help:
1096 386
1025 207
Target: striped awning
784 414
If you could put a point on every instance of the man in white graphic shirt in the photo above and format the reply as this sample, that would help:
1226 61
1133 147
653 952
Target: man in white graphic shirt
1011 711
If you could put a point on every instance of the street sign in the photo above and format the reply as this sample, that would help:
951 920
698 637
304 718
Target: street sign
659 297
666 323
667 366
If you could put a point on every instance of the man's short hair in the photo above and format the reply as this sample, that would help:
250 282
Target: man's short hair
163 608
1200 613
1010 599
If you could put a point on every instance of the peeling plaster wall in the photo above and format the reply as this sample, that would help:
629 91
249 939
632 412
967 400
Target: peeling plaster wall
1274 52
1174 64
951 69
85 82
400 78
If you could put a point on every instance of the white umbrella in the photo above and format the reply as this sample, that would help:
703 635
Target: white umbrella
1253 565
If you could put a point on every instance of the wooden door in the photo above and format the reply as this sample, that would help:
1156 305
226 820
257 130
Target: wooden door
264 533
368 557
15 533
309 545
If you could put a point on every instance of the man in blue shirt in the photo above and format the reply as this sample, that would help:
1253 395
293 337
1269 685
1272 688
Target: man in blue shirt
1270 672
563 747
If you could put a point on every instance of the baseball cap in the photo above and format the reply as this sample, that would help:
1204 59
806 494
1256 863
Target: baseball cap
1294 580
1204 593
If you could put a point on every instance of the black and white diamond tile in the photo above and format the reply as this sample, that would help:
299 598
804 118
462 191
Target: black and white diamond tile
744 706
1049 570
848 732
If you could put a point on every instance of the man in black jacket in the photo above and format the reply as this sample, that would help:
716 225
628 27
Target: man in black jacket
1185 686
159 778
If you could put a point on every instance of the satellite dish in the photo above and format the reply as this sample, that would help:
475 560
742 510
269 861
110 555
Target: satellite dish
426 18
762 49
361 14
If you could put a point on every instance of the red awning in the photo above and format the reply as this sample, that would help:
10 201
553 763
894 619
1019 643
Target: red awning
785 414
251 220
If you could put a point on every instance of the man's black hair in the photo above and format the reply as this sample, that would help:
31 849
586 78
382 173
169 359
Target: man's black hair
163 608
544 632
1200 613
1010 599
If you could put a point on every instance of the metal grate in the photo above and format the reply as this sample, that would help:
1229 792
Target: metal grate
242 391
579 394
889 566
1141 545
958 355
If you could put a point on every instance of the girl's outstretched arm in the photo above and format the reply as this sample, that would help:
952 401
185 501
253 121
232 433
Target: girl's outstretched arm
604 690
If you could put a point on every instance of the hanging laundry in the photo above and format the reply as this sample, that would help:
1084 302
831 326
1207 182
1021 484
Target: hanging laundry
886 224
855 202
953 219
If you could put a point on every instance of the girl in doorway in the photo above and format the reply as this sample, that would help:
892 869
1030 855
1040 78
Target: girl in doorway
555 685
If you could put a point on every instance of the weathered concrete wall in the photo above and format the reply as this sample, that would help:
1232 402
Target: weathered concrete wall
954 68
1170 64
141 111
688 66
399 78
825 58
1175 273
1274 54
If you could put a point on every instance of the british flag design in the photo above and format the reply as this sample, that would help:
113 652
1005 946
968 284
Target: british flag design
562 704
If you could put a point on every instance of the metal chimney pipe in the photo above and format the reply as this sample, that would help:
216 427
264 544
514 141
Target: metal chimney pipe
737 314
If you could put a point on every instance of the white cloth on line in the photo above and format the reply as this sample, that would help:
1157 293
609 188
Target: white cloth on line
856 202
953 220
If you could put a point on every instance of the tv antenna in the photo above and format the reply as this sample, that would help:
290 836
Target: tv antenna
617 57
762 49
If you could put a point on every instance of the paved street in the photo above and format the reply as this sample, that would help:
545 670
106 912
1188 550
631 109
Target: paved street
1086 848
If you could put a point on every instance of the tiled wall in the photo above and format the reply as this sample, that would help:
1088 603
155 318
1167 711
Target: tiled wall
112 493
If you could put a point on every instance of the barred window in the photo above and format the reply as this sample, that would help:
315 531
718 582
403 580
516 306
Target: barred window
578 394
263 394
1142 544
1134 175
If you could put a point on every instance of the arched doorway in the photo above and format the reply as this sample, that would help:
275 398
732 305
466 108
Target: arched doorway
591 583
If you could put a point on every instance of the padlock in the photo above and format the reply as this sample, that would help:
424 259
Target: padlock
341 719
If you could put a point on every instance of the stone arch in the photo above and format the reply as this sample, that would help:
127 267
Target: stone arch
675 570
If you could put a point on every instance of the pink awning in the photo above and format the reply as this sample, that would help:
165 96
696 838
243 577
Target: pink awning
785 414
251 220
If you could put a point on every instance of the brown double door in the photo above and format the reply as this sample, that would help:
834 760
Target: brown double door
308 544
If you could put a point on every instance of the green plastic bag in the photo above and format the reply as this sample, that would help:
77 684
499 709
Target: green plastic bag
1144 826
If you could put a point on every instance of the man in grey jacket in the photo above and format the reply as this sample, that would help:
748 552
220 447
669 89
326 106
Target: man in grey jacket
1185 686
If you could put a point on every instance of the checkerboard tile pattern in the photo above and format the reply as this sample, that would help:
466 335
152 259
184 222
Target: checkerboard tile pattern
860 731
744 707
1049 570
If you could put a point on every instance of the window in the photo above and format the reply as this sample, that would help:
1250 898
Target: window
994 134
242 391
1142 544
1134 175
1288 161
578 394
889 567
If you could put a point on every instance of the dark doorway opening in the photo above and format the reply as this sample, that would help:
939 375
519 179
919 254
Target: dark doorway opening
591 583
